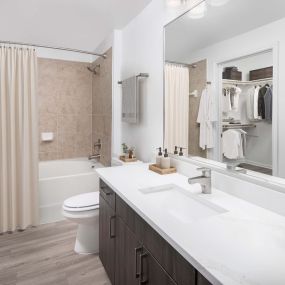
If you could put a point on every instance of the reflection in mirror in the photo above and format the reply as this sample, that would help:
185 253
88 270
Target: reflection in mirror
222 84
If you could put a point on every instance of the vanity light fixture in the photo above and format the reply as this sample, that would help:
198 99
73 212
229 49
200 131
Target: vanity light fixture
217 3
198 12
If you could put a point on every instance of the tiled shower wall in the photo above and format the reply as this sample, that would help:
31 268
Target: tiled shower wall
71 99
65 108
102 106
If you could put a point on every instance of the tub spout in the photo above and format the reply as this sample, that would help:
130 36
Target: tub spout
94 156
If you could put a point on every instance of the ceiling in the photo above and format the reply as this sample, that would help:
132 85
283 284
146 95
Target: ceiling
186 35
78 24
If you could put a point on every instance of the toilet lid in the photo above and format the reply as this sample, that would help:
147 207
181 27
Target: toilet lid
82 201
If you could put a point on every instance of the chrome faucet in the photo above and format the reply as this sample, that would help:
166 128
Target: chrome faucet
204 180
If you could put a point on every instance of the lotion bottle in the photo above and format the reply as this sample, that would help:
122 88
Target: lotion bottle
165 160
159 157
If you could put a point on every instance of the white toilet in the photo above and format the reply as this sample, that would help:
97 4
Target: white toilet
84 210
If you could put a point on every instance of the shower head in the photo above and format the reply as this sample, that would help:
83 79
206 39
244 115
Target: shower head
94 69
193 65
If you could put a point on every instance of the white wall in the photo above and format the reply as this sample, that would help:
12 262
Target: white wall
142 51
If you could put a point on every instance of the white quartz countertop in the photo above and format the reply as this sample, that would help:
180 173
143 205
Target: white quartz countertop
245 245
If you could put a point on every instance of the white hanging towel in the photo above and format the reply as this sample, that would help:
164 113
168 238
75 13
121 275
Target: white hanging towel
232 144
206 118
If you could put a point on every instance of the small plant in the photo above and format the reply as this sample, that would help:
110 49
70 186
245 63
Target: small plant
125 148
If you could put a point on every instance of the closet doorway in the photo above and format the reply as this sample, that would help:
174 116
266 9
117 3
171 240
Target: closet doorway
246 112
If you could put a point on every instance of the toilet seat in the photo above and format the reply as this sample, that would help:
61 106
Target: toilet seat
83 202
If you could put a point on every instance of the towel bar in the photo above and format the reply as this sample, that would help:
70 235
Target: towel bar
140 75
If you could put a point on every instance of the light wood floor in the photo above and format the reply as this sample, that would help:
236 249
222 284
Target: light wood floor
45 256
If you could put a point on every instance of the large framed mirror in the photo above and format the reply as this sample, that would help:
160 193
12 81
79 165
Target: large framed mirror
224 71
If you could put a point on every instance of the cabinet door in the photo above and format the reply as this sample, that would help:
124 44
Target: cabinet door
107 238
151 272
201 280
128 249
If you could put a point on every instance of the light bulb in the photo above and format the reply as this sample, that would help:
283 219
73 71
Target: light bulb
217 3
198 12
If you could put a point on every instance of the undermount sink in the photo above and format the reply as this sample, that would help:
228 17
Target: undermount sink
181 204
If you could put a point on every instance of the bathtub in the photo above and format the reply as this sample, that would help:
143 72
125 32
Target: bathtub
61 179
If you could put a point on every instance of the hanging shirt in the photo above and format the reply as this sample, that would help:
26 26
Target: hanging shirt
261 104
250 104
235 98
268 104
227 106
206 117
255 104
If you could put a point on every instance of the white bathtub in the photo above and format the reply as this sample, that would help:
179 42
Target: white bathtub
61 179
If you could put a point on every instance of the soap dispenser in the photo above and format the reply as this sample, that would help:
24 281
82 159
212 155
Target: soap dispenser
181 151
176 150
159 157
165 160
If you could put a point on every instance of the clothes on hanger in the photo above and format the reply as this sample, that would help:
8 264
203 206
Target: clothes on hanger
255 103
268 104
231 98
259 103
207 115
234 144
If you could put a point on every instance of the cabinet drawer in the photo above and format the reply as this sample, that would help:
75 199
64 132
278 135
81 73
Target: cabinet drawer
108 194
172 262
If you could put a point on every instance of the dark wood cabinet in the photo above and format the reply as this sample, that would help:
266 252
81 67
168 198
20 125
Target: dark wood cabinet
201 280
108 194
151 272
132 252
128 250
107 238
173 263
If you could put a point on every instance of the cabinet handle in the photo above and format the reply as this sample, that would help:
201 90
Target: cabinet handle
137 250
111 234
106 192
143 275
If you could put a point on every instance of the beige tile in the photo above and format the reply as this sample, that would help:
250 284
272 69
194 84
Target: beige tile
66 142
48 123
48 146
67 123
48 156
68 96
98 124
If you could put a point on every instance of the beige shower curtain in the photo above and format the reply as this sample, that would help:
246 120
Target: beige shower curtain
176 106
18 139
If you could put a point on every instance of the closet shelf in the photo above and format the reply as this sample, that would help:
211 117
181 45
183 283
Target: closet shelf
241 126
238 82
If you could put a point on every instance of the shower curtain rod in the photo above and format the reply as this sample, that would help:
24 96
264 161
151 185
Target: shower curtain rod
51 47
193 65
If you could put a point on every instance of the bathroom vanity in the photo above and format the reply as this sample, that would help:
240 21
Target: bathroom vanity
160 230
132 252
